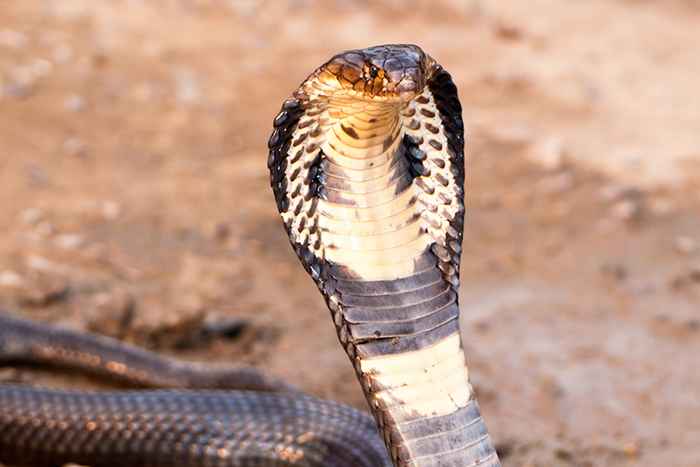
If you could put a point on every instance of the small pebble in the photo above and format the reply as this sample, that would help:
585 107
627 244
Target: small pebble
563 454
223 326
16 90
37 175
695 273
615 270
222 231
69 241
687 278
626 210
74 103
39 263
685 245
44 229
187 88
12 39
631 449
611 192
10 279
661 206
111 210
549 152
31 215
481 326
39 68
74 147
508 31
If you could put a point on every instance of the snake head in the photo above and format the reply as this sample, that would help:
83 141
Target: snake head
396 72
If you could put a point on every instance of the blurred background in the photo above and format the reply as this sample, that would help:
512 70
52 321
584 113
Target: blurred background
134 199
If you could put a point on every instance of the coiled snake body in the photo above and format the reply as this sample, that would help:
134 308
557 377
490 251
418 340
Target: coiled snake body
367 169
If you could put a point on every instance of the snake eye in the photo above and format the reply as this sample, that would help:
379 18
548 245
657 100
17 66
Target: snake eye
373 71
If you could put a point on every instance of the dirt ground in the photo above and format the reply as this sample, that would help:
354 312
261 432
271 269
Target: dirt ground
134 199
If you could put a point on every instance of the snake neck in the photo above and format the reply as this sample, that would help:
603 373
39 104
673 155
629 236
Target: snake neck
371 186
374 210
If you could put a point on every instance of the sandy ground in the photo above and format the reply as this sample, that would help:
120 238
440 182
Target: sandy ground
135 203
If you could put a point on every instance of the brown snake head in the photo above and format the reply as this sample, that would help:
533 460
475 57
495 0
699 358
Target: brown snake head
386 72
367 167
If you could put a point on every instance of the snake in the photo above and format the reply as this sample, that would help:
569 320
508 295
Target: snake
367 168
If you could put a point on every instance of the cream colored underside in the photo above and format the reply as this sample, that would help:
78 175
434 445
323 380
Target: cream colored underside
366 225
425 383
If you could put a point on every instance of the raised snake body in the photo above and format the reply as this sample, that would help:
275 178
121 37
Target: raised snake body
367 169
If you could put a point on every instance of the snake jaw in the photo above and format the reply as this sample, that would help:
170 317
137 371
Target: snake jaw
387 72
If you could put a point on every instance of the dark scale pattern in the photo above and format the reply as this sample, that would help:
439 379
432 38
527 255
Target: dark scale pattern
415 157
185 429
315 177
447 101
284 124
446 98
279 143
395 316
25 342
367 69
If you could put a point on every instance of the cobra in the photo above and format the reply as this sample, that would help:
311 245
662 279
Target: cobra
367 169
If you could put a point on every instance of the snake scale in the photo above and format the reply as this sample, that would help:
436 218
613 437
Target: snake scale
367 168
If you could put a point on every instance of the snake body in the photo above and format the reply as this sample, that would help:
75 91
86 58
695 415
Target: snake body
367 168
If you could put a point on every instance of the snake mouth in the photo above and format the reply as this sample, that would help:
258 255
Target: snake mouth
395 72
